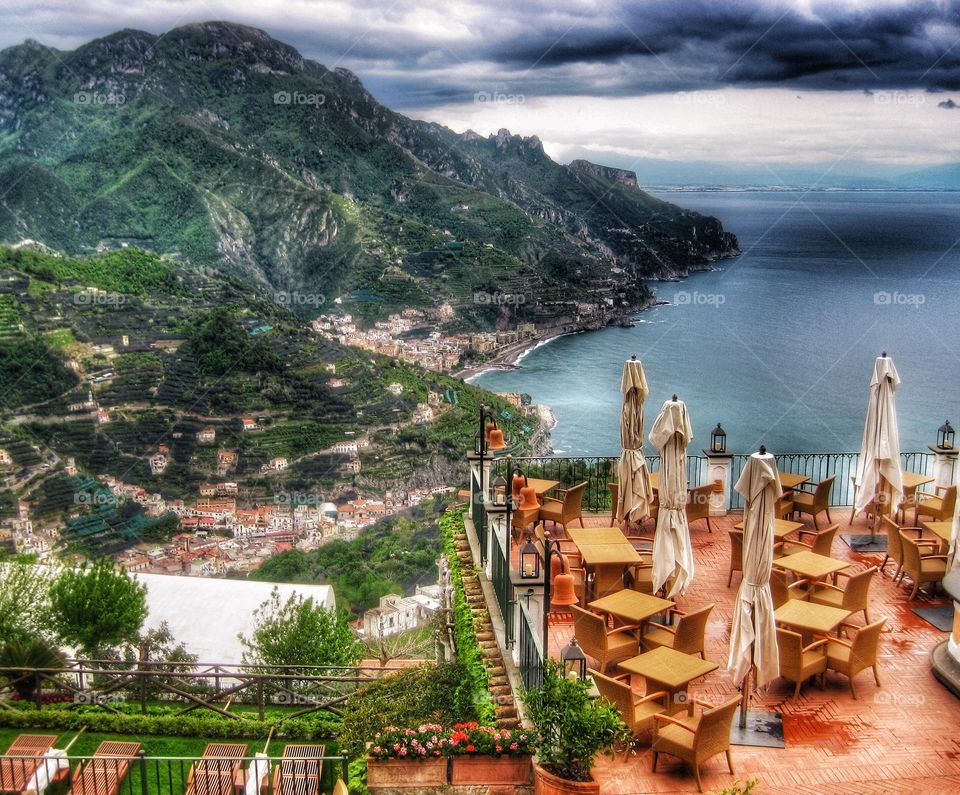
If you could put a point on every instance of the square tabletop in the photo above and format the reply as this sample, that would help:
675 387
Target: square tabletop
809 616
810 565
781 527
616 554
912 480
541 486
668 667
790 480
940 529
632 606
595 535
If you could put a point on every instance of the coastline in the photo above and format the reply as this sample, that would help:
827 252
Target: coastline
510 356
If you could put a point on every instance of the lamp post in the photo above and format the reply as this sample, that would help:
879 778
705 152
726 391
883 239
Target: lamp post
563 595
485 439
718 440
945 434
574 660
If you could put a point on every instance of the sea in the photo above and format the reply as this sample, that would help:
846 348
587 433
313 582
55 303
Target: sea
779 343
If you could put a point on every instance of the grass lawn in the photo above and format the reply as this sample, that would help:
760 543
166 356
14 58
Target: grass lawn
164 776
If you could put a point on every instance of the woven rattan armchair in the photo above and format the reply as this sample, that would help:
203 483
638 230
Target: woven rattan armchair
698 504
821 542
565 509
782 591
850 657
736 553
688 636
854 596
895 547
636 712
604 645
921 568
939 506
695 739
798 662
813 502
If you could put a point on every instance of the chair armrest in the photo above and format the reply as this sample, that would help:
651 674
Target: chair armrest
675 722
805 531
618 677
936 557
806 488
624 628
547 499
815 644
676 611
652 696
704 704
561 491
841 641
802 544
927 542
826 585
665 628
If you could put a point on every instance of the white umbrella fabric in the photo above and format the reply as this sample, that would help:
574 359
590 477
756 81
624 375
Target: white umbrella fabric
879 460
672 552
635 495
753 638
953 558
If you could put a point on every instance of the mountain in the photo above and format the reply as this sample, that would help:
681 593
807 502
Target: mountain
222 146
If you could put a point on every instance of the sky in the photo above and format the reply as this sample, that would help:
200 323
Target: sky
834 87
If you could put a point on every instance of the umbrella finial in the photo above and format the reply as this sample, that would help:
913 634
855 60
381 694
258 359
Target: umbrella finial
884 355
633 357
763 449
674 398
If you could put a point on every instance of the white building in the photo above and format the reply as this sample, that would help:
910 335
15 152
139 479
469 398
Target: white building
398 614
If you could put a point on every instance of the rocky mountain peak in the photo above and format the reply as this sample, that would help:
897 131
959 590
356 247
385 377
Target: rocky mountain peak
621 175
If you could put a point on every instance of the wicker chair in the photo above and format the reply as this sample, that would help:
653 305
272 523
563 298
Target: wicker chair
939 506
614 496
736 553
798 662
854 597
565 545
821 544
921 568
698 504
694 740
813 502
687 636
565 510
784 507
637 713
641 575
782 591
895 548
604 645
849 657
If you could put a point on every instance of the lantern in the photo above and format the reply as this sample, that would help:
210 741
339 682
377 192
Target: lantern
945 436
718 440
574 660
498 492
529 560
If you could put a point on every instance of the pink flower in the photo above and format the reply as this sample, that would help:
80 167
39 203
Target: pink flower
402 752
513 746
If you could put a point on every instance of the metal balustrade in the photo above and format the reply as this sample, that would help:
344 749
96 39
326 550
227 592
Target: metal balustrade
530 642
501 577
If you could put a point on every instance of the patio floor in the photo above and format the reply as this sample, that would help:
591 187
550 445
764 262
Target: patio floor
901 737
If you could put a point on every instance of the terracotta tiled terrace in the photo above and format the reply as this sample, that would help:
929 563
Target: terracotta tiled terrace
902 737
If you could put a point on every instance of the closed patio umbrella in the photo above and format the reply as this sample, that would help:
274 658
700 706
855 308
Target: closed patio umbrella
635 495
672 553
753 637
878 468
953 560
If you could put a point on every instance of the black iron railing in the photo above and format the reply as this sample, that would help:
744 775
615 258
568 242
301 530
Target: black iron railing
531 646
478 513
501 577
138 774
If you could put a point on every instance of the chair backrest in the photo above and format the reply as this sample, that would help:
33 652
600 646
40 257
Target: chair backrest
821 495
949 497
911 553
617 693
691 630
698 502
823 543
590 630
713 728
894 547
574 499
790 645
614 495
863 647
856 594
736 550
778 588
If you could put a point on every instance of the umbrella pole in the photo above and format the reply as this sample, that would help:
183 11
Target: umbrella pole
745 700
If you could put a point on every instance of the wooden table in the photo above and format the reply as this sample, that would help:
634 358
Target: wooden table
911 482
781 528
941 530
670 670
607 553
810 566
790 481
631 606
809 617
542 486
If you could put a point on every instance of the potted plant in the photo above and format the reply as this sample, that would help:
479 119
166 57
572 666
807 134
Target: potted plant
408 757
483 755
573 729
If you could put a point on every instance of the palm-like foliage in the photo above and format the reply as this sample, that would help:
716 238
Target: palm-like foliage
20 657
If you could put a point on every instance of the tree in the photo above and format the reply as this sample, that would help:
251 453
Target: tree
24 600
97 606
23 653
300 632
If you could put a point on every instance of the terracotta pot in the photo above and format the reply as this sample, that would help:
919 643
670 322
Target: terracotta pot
394 773
545 783
491 770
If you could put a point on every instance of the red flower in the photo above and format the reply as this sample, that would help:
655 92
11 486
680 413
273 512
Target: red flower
471 748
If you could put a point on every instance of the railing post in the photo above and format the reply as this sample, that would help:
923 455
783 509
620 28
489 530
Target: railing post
345 764
944 461
260 697
719 467
143 771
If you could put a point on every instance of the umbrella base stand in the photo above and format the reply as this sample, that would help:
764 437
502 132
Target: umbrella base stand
865 543
763 729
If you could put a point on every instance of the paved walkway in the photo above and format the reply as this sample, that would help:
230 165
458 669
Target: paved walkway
901 738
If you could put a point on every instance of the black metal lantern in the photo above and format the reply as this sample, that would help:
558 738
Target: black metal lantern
945 436
718 440
498 492
574 660
529 560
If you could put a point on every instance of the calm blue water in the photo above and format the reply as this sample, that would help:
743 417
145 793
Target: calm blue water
779 344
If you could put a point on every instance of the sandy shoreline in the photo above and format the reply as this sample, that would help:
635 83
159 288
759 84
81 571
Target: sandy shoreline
509 357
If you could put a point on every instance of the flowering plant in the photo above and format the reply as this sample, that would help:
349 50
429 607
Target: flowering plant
432 740
472 738
427 740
